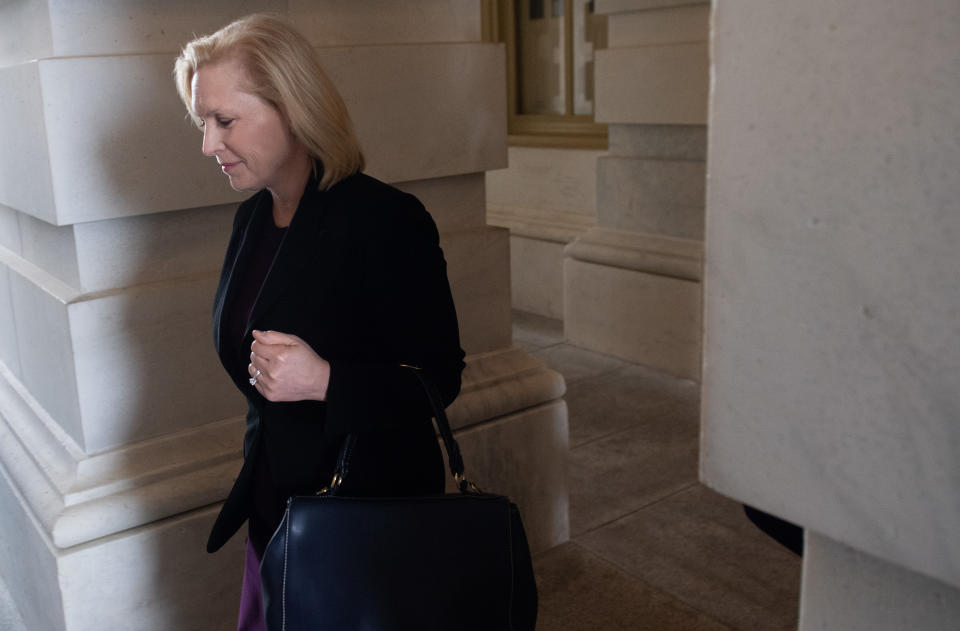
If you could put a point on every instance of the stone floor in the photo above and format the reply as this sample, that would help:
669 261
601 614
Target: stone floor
651 547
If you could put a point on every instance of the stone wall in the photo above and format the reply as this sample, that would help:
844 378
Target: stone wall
119 433
832 351
632 282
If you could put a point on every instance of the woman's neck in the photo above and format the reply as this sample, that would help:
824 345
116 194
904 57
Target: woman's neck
286 196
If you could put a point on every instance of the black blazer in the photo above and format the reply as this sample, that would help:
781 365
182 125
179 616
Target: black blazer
361 278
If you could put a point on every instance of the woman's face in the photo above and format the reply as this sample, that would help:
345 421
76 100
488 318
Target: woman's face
249 137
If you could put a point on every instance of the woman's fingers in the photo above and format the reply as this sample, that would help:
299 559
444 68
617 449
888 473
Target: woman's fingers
275 337
290 370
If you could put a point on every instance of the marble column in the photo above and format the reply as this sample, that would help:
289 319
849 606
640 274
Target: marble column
119 434
632 282
832 351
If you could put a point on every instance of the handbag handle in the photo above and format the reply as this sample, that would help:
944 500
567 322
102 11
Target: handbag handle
454 459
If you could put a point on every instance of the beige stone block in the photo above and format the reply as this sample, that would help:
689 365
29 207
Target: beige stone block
641 317
652 196
455 202
536 276
844 588
627 6
659 142
425 111
551 180
478 266
669 25
524 456
664 84
350 23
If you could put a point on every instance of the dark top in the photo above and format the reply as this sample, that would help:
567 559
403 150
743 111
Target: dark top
266 241
360 277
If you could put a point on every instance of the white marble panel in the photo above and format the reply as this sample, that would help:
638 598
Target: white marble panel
28 561
689 23
154 578
10 229
831 291
25 182
425 111
536 276
120 27
9 348
52 248
478 266
422 111
652 196
130 250
146 364
24 31
46 355
646 318
455 202
664 84
351 23
846 589
119 141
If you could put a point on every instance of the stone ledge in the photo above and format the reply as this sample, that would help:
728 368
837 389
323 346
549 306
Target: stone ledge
537 223
653 254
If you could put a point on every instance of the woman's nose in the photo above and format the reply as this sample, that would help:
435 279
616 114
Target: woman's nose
211 141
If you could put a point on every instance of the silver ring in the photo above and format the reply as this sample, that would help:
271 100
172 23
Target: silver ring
253 379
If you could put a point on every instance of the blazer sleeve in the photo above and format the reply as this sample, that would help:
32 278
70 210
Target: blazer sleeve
410 318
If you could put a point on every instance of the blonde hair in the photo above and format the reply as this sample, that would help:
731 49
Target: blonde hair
283 70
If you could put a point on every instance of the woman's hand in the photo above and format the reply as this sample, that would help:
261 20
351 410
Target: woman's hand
289 370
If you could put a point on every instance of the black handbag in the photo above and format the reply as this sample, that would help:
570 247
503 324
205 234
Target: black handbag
451 562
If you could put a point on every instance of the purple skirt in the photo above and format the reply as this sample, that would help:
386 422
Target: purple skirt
251 616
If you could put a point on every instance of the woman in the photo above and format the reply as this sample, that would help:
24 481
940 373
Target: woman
331 281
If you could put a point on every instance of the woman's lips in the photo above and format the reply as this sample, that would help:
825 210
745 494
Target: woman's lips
226 167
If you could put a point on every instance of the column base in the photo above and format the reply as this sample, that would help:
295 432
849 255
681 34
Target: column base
637 297
116 540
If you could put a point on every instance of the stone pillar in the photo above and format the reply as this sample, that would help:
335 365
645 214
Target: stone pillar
119 433
632 283
832 352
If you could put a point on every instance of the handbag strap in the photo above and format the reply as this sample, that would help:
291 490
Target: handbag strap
454 459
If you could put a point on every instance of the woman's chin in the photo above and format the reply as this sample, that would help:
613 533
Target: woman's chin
240 186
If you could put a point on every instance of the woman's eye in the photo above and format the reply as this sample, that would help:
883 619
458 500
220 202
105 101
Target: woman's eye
224 122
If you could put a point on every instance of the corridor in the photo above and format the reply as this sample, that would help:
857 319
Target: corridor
650 547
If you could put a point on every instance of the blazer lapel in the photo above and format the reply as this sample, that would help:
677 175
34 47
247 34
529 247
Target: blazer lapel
228 280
